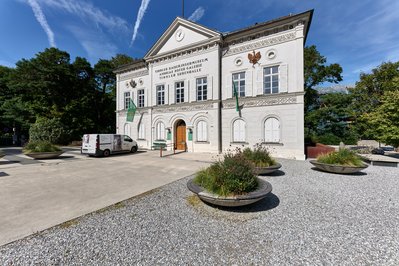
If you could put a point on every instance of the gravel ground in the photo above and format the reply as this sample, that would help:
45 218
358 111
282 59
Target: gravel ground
312 218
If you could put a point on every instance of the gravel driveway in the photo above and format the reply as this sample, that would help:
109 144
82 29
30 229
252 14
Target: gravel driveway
312 218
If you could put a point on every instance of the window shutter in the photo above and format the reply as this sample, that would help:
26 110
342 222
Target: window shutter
205 131
283 69
259 81
248 83
229 86
209 88
276 130
272 130
239 131
268 130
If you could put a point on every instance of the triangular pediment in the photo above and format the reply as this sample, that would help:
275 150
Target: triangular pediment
180 34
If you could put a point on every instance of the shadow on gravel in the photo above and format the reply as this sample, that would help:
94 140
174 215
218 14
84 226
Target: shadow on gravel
353 174
268 203
3 174
9 162
275 173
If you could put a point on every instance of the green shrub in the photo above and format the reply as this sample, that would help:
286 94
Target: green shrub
40 146
259 156
51 130
341 157
234 175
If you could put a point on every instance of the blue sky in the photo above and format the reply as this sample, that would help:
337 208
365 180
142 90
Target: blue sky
357 34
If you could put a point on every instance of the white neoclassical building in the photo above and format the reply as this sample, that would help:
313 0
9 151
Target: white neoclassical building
184 93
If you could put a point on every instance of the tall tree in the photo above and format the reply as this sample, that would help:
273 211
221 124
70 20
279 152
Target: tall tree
384 119
316 72
370 92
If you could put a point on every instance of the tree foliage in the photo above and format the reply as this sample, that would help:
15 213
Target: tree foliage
316 72
369 93
50 86
384 119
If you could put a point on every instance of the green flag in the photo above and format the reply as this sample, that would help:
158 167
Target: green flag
236 95
131 110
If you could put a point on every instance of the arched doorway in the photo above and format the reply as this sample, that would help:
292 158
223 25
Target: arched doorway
180 135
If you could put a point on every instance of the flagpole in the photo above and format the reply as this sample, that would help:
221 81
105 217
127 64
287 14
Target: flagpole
236 95
183 8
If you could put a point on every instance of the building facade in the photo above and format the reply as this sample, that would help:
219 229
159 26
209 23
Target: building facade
185 88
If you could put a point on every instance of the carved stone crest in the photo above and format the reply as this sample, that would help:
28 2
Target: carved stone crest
133 83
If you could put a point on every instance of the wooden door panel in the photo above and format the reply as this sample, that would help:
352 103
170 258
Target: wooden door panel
181 136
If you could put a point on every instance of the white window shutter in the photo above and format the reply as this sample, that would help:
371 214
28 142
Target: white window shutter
259 81
229 86
248 83
283 69
276 130
268 130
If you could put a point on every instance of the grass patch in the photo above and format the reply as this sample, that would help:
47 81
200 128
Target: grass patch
343 157
194 200
234 175
259 156
40 146
68 224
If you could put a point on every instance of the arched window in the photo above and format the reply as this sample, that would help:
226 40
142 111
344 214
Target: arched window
160 134
272 130
126 129
141 131
239 131
202 131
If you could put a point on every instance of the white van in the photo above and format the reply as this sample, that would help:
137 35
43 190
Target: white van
106 144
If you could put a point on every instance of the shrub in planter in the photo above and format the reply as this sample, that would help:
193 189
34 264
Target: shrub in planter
259 156
234 175
40 146
51 130
343 157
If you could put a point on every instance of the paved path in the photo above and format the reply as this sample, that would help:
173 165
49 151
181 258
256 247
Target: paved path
36 195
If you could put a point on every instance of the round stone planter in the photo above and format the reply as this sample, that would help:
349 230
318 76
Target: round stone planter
261 192
337 169
44 155
267 170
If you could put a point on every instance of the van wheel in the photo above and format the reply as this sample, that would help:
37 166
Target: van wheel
133 149
106 153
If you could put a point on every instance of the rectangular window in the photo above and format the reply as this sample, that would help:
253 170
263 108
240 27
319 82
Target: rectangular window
160 94
127 99
140 98
239 83
179 92
202 89
270 80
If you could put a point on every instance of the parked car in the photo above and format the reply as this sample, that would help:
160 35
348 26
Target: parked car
106 144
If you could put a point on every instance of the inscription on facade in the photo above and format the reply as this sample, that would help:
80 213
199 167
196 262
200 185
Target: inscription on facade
181 69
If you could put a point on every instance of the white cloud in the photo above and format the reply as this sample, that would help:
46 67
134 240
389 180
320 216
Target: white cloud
140 15
95 44
42 20
197 14
86 11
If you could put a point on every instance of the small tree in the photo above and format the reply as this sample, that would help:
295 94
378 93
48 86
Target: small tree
51 130
384 120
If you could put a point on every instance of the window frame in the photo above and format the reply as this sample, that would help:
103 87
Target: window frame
202 89
159 131
203 138
179 91
271 118
239 138
141 131
240 83
271 88
127 98
140 98
160 89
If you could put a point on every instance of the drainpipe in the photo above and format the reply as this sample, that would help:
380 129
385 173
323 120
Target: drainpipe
220 99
